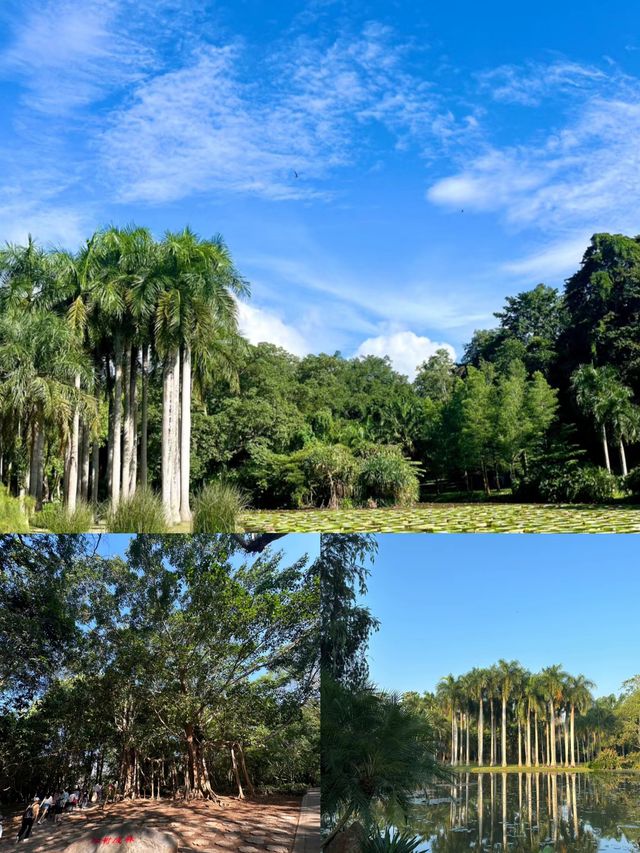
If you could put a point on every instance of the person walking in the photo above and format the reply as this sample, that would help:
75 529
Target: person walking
45 808
29 815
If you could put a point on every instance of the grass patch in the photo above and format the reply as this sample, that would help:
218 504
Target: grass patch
217 508
56 518
141 513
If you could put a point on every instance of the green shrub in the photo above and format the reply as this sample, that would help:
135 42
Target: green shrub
217 508
387 478
57 518
607 759
329 473
570 482
141 513
13 518
388 842
631 482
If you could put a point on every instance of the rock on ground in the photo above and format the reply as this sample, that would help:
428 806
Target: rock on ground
121 837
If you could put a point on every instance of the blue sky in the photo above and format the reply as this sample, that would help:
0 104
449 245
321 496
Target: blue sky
293 545
448 603
385 173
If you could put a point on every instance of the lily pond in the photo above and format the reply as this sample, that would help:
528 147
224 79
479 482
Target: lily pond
545 812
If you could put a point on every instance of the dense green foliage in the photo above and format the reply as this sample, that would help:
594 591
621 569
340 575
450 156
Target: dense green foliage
558 376
163 670
506 715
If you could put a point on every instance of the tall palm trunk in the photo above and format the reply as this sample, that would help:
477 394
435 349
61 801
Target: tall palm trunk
528 746
127 432
185 435
480 731
170 435
566 742
74 438
552 733
535 720
573 735
623 457
83 490
133 424
117 425
144 425
95 471
493 733
605 447
504 730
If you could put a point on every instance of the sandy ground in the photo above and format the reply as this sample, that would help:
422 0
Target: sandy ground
264 824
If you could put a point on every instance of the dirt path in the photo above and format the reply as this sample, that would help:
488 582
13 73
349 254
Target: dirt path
256 826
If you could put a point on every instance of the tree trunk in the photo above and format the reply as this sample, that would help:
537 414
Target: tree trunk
504 731
528 746
493 734
552 734
236 773
623 458
144 426
245 772
185 434
95 471
72 485
605 447
127 431
133 424
117 425
566 742
169 418
84 471
480 731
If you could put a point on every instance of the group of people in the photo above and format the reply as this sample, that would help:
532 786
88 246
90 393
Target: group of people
53 805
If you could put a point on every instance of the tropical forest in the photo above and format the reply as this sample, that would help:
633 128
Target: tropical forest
167 681
130 401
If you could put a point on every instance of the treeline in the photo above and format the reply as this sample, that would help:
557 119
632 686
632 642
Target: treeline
187 667
545 403
504 715
99 352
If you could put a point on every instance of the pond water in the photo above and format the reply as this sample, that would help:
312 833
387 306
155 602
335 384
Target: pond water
546 812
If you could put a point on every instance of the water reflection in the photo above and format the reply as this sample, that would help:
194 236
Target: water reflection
546 812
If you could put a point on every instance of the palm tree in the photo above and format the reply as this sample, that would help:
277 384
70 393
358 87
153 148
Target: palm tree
508 673
625 421
553 685
600 394
448 692
377 753
493 692
195 307
477 681
578 693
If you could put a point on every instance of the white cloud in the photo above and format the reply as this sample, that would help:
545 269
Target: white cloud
552 260
68 55
528 85
586 176
203 128
406 350
259 326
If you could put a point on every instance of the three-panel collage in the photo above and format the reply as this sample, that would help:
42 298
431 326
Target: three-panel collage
319 374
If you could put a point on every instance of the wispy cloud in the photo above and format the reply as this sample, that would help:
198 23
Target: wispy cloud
67 55
530 84
584 175
203 127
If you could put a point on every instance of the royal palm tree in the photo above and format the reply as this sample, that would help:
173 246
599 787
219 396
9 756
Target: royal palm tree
195 307
477 683
578 693
448 692
508 674
553 684
600 395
